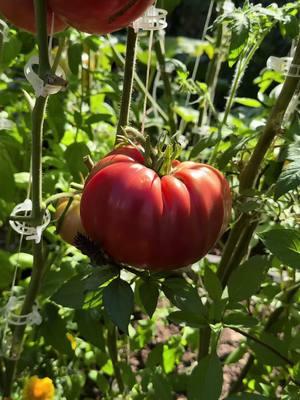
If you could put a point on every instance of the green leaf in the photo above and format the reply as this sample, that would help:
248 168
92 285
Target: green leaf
245 101
240 319
11 49
240 26
90 327
74 157
155 356
185 297
246 279
149 293
187 114
206 379
6 270
246 396
22 260
72 294
212 284
7 191
162 387
290 176
190 319
74 57
118 299
169 359
54 330
284 244
267 356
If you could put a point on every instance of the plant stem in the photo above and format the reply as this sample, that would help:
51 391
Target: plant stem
272 128
213 73
120 60
262 343
38 115
113 352
204 342
273 318
128 80
61 46
1 44
42 37
242 231
160 54
18 335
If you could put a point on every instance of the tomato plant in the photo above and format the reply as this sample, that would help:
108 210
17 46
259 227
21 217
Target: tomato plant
70 223
154 222
99 16
163 116
21 14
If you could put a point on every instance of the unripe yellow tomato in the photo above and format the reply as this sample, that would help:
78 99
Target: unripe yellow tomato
71 224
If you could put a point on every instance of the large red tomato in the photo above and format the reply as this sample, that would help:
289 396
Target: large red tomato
99 16
21 14
153 222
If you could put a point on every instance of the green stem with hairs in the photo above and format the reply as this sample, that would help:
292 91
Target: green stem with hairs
160 54
273 318
241 234
113 352
272 128
128 80
213 72
38 116
121 62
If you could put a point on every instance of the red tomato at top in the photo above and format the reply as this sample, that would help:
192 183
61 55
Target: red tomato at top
21 14
153 222
99 16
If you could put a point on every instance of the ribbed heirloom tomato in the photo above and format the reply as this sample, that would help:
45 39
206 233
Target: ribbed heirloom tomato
100 16
153 222
21 14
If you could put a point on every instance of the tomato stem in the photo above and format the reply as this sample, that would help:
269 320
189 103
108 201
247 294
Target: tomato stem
127 81
160 54
38 116
242 232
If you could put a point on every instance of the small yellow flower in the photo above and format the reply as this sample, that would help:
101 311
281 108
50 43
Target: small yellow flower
72 341
39 389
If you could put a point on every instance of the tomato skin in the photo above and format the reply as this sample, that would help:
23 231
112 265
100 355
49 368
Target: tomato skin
152 222
71 224
99 16
21 14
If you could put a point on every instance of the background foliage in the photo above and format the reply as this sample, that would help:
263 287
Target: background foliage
153 354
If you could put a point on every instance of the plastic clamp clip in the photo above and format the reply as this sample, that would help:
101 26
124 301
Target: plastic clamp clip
13 318
154 19
41 88
30 232
284 65
5 29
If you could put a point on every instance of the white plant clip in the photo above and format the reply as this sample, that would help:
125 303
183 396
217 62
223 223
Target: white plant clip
14 318
41 89
30 232
284 65
4 29
154 19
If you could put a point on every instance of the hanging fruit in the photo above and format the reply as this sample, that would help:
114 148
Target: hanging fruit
21 14
148 220
99 16
70 225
